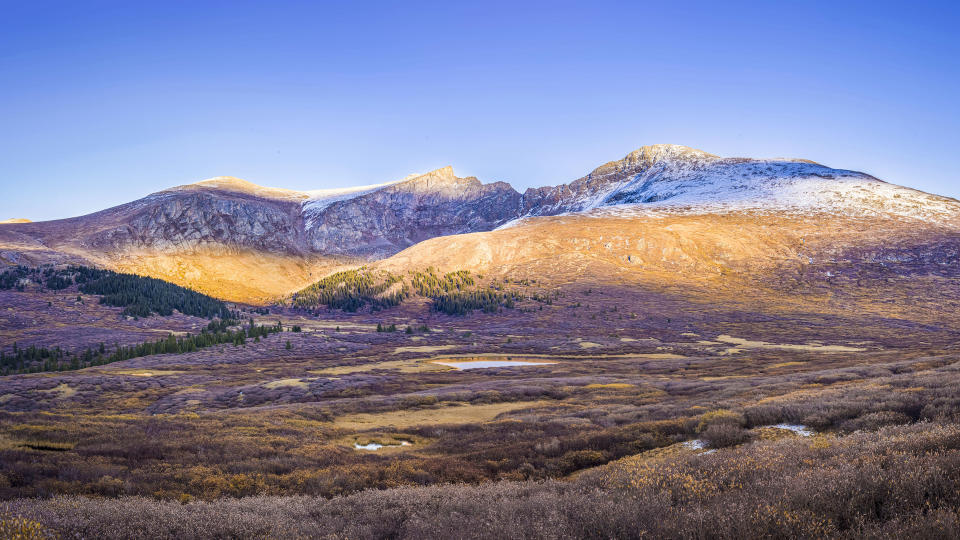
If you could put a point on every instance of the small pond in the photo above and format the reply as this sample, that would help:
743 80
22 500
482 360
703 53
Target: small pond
482 364
377 446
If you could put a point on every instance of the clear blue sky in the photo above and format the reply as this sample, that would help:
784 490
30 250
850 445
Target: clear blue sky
104 102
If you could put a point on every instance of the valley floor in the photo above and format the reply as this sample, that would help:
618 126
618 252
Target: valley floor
641 412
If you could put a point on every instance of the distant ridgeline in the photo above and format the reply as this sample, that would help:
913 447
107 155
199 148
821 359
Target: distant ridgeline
453 293
139 296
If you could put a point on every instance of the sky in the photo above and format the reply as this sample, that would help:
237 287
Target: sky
102 103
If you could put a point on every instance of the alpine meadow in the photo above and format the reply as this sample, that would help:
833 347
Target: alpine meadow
673 344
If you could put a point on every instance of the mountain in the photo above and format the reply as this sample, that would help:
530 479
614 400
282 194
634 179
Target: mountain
384 219
244 242
664 207
737 236
678 177
14 220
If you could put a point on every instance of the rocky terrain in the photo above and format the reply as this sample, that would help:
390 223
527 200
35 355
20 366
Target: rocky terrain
385 220
224 235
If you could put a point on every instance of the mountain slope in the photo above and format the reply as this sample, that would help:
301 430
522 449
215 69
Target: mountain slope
240 241
723 230
382 220
672 177
244 242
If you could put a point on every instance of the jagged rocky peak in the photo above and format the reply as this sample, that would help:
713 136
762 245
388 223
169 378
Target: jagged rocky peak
387 218
658 153
650 156
442 180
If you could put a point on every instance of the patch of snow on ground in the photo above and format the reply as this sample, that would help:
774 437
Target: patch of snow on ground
695 444
796 428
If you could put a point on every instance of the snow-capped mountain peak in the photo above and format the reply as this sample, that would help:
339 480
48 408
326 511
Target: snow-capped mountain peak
681 179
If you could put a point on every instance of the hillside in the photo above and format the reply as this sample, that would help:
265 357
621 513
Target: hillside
661 208
674 341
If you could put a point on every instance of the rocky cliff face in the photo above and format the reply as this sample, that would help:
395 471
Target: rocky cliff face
181 219
178 221
595 188
397 216
230 214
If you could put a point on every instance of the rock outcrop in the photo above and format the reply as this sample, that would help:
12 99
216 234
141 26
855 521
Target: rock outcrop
389 219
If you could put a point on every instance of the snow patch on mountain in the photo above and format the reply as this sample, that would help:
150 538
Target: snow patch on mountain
849 196
668 178
318 199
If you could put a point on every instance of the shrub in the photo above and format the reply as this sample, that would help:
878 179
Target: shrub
874 421
18 528
722 435
720 417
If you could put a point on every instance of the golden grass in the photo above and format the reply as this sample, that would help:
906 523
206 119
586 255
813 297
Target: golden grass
403 366
550 357
449 414
424 348
61 391
236 276
288 383
461 364
787 364
143 372
811 347
8 443
657 356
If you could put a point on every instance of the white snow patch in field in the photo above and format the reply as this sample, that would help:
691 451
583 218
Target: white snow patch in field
799 429
695 444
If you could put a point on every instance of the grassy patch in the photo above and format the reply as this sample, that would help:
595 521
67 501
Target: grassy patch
446 414
288 383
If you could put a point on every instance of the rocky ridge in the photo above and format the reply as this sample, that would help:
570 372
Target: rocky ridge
188 234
